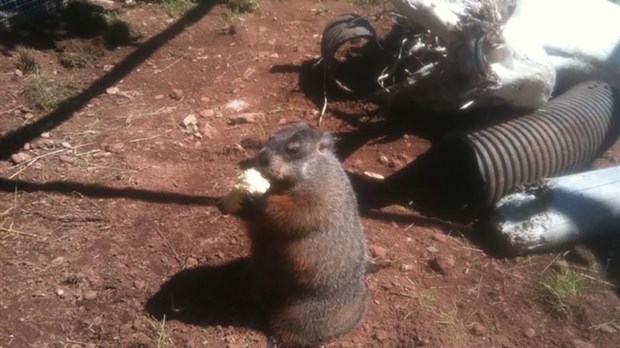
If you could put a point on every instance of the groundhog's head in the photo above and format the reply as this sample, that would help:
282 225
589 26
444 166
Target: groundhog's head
292 153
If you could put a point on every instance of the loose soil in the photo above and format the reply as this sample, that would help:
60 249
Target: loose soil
110 236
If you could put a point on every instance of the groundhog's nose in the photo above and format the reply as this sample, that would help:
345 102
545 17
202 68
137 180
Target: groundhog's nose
264 157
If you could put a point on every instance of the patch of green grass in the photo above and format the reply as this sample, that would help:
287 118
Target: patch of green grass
556 289
242 6
159 333
175 8
46 92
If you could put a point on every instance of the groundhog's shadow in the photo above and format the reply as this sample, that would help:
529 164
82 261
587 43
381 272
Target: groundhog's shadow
207 295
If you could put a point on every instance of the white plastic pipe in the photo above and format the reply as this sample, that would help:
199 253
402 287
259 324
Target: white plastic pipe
559 210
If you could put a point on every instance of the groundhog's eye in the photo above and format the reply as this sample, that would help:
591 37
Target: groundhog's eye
292 148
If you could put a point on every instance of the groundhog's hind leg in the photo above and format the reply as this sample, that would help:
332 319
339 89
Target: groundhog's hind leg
312 322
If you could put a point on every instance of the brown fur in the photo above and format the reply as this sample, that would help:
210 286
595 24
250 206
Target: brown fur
308 248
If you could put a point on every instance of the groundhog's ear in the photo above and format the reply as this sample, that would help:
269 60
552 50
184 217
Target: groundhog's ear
326 143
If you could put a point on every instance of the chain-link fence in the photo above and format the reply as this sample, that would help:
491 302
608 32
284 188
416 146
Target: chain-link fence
13 12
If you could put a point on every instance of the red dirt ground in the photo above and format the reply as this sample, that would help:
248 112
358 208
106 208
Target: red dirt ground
115 209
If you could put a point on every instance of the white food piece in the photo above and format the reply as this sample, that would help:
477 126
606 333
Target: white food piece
249 182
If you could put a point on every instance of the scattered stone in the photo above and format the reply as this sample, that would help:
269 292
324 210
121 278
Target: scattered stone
394 163
383 159
377 251
108 67
406 267
19 73
248 117
60 293
403 157
207 113
20 157
381 335
607 328
159 96
176 94
274 55
432 249
282 121
28 116
65 144
209 131
90 295
139 284
190 120
374 175
530 333
191 262
45 135
503 341
237 105
26 146
67 159
112 90
478 329
116 147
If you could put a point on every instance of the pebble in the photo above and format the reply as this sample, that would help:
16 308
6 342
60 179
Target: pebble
237 105
374 175
139 284
58 261
20 157
176 94
406 267
383 159
245 118
159 96
209 131
26 146
116 147
377 251
65 144
19 73
432 249
108 67
28 116
45 135
90 295
381 335
190 262
207 113
478 329
67 159
530 333
60 292
190 120
112 90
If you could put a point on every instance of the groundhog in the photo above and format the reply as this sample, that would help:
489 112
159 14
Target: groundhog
308 250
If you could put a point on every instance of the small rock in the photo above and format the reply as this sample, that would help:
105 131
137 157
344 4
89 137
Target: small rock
58 261
503 341
45 135
381 335
90 295
438 266
406 267
432 249
112 90
607 328
60 293
403 157
383 159
191 262
394 163
28 116
67 159
176 94
274 55
116 147
282 121
65 144
190 120
478 329
138 284
374 175
159 96
19 73
530 333
207 113
20 157
237 105
108 67
248 117
26 146
209 131
377 251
